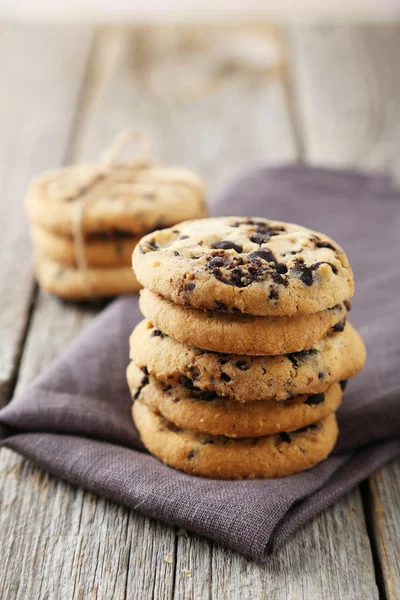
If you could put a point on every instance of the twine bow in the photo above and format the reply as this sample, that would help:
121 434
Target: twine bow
109 158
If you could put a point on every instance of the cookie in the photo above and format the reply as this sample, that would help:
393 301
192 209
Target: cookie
238 333
74 284
100 250
338 356
205 412
119 198
227 458
253 266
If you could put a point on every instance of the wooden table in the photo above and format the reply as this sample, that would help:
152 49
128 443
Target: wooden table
215 98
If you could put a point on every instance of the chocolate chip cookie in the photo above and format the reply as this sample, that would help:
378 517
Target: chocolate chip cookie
338 356
222 457
116 197
239 333
101 249
74 284
191 408
253 266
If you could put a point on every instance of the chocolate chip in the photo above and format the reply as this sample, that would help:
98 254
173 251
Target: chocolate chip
260 238
306 273
207 395
324 262
269 257
277 278
176 253
315 399
187 383
343 384
183 237
226 377
145 370
158 333
266 255
226 245
297 357
194 372
190 287
273 294
321 375
285 437
216 262
176 400
339 326
192 454
220 306
242 365
149 247
322 244
223 360
145 381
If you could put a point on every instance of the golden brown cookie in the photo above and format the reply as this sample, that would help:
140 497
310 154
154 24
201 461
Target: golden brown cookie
253 266
119 197
206 412
338 356
238 333
221 457
75 284
100 250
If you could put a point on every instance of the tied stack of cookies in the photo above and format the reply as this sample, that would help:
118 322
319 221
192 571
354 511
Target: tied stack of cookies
239 366
87 219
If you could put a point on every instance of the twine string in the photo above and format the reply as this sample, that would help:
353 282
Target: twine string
107 160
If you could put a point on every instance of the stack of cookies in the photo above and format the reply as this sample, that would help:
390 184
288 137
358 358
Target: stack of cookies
240 364
87 219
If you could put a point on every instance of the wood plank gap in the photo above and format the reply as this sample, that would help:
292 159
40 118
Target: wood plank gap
366 498
12 384
90 82
175 564
290 96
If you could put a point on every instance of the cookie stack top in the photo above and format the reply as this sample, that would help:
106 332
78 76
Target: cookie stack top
87 219
236 368
251 266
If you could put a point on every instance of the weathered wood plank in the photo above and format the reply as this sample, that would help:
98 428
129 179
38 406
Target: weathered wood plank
211 118
385 517
207 97
65 543
347 85
73 544
328 558
42 70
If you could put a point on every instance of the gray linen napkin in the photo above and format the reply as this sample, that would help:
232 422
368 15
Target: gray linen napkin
74 420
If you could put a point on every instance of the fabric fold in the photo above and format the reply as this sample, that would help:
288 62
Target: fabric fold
75 419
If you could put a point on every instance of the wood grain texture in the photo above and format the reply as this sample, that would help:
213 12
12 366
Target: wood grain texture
41 71
210 99
64 543
328 558
385 516
347 86
217 108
